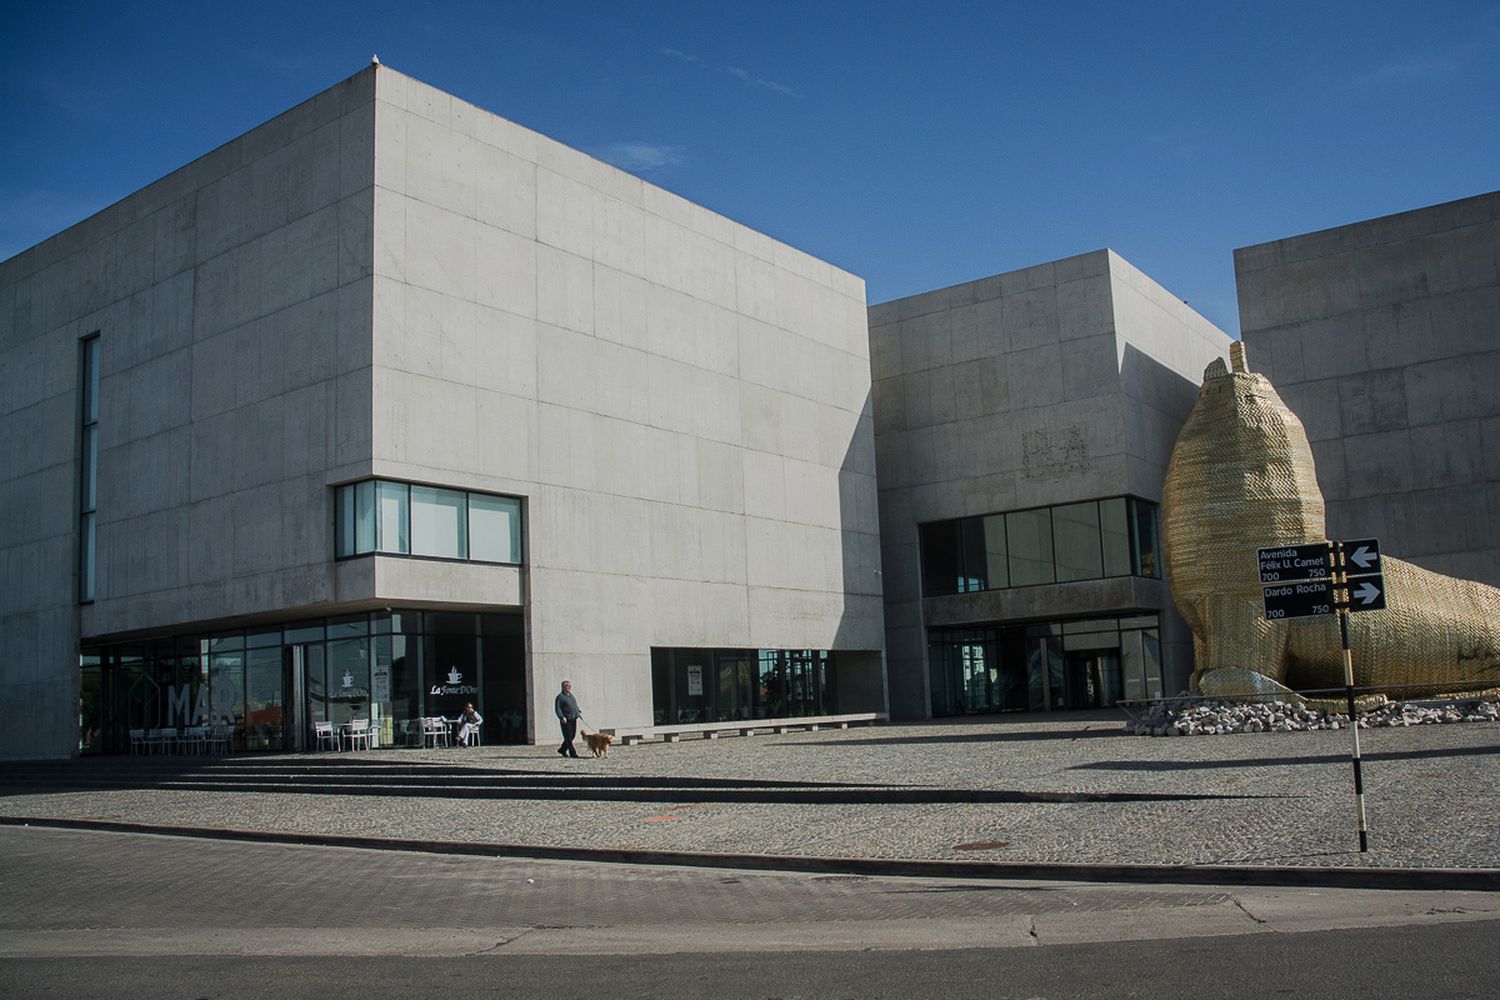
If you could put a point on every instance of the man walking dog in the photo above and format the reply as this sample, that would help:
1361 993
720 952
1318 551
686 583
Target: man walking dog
568 715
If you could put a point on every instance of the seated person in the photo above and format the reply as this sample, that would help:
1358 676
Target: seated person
468 722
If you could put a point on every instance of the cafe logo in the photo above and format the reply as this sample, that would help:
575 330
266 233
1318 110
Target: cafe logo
348 691
455 684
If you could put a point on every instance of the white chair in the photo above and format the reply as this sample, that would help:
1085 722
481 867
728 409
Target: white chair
436 730
194 739
471 737
164 739
324 734
221 740
138 741
414 732
358 732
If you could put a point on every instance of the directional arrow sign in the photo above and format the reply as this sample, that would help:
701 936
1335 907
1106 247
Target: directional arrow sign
1367 593
1361 556
1299 600
1295 562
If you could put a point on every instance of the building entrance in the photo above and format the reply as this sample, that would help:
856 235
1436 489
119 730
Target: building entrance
1043 666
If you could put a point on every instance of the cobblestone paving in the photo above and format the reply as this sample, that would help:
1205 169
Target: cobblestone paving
1433 795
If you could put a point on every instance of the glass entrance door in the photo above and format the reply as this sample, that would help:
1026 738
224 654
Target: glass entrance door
1092 678
304 686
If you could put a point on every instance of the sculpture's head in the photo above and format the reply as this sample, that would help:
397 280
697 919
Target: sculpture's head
1241 476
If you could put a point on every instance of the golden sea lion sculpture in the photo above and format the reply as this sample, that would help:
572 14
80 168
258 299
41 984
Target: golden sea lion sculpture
1242 478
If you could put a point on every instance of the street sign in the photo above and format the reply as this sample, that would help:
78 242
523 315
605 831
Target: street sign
1367 593
1361 557
1296 562
1299 600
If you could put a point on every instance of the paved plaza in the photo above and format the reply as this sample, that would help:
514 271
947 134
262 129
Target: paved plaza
1056 789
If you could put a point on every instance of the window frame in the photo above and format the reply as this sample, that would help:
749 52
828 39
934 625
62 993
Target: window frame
345 500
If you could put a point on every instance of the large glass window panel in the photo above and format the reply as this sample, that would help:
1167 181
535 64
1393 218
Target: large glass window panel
1028 534
494 528
304 632
90 465
91 380
393 520
262 721
1146 544
1132 665
226 687
364 516
695 685
1151 647
997 573
86 559
1075 533
91 714
503 663
439 523
348 680
344 505
1114 534
940 558
662 707
972 559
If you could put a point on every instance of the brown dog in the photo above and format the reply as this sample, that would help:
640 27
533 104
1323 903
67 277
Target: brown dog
598 743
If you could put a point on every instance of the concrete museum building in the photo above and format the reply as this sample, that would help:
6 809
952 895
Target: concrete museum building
390 405
1023 425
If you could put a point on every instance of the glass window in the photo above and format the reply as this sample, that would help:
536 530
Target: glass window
89 472
494 528
392 505
344 501
940 559
439 523
1028 535
995 569
364 516
304 632
90 464
972 558
1143 520
86 559
1114 534
348 680
267 638
348 626
1075 532
91 380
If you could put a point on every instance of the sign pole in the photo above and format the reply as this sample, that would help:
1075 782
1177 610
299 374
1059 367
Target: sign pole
1359 783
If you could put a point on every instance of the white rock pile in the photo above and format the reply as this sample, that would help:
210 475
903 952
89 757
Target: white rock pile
1183 716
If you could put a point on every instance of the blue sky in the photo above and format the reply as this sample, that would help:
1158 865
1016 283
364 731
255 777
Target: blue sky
918 145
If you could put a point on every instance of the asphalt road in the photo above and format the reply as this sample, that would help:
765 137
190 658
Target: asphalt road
89 914
1453 962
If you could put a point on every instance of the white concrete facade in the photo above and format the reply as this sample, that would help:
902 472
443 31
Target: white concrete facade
1384 338
387 281
1058 383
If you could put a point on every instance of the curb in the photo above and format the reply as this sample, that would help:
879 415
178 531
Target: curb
1471 879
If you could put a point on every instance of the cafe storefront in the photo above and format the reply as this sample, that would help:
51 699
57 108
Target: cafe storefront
270 685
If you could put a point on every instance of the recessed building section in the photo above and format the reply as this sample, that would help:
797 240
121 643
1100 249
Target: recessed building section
1023 425
1384 338
399 402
